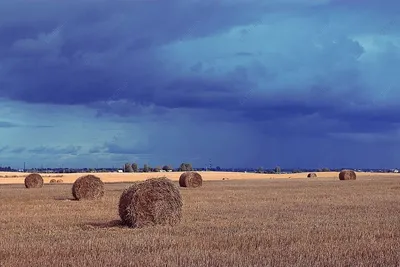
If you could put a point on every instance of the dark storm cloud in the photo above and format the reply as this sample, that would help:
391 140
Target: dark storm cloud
18 150
104 55
12 150
79 54
6 124
130 150
72 150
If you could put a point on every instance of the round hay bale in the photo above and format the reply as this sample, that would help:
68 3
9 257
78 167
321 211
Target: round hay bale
53 181
156 201
190 179
34 180
60 181
312 175
88 187
347 175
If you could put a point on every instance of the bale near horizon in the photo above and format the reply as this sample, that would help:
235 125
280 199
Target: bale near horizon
155 201
33 180
190 179
312 175
88 187
347 175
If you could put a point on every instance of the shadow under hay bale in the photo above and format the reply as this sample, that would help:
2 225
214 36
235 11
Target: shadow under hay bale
190 179
53 181
110 224
88 187
312 175
65 199
156 201
33 180
347 175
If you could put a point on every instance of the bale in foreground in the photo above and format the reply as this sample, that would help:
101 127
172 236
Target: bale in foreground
156 201
190 179
312 175
88 187
347 175
34 180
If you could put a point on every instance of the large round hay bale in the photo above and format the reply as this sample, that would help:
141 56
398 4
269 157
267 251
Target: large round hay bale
156 201
88 187
34 180
347 175
190 179
53 181
59 181
312 175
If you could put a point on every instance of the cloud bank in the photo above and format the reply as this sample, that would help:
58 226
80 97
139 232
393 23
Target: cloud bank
240 83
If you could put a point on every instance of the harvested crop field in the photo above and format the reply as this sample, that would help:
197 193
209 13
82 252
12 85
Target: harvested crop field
115 177
263 222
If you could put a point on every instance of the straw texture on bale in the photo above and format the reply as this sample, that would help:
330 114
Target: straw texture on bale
347 175
312 174
34 180
156 201
88 187
53 181
190 179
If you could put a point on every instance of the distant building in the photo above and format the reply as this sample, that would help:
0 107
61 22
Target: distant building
120 171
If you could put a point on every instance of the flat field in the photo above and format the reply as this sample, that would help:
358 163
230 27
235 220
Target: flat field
236 222
115 177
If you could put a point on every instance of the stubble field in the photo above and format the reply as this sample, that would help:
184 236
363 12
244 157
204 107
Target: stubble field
243 222
114 177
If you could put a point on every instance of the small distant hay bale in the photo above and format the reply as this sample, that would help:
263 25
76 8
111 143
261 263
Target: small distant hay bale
88 187
225 179
347 175
190 179
312 175
53 181
59 181
34 180
155 201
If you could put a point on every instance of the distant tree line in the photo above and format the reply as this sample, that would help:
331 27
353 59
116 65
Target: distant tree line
277 169
6 169
133 167
185 166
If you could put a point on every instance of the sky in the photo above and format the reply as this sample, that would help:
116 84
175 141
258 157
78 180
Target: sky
234 83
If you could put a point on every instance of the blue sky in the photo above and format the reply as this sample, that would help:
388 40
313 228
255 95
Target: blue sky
295 83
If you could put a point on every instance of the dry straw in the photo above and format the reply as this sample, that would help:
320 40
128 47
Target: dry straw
312 175
34 180
190 179
156 201
347 175
88 187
